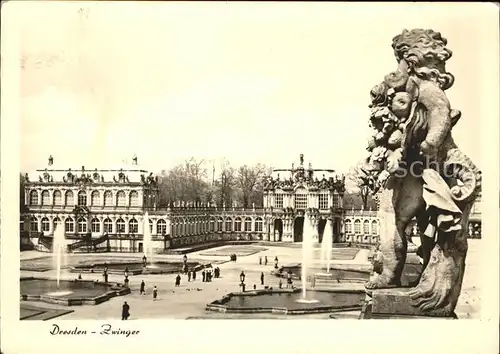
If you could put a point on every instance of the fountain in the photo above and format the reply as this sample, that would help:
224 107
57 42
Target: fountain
307 251
59 257
326 247
148 242
59 251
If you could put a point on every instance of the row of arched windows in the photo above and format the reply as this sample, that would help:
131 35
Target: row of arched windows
95 225
357 227
95 198
228 222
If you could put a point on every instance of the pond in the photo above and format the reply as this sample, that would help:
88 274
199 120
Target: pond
290 302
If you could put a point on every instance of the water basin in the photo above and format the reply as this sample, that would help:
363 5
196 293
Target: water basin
289 301
69 292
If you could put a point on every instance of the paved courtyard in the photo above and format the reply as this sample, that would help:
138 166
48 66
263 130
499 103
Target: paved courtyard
189 300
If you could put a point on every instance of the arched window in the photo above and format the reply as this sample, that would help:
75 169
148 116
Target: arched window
69 225
219 224
45 225
237 224
95 199
366 227
68 198
133 226
34 224
357 226
134 198
374 227
161 227
82 198
348 226
33 198
108 198
95 225
57 197
212 225
82 225
56 222
248 224
121 200
120 225
45 198
108 226
258 224
229 224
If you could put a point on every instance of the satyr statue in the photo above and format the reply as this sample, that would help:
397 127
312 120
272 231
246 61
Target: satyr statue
419 172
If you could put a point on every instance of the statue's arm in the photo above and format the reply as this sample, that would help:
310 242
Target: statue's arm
438 115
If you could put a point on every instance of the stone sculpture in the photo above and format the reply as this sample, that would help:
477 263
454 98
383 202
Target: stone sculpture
418 171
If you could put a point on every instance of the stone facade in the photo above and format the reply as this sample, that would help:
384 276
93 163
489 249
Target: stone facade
113 202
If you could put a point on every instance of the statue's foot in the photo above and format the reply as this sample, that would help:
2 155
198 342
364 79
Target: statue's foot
381 281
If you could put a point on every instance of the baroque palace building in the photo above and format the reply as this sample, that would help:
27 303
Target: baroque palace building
105 209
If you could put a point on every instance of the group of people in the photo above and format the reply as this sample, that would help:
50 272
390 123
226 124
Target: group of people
206 275
209 274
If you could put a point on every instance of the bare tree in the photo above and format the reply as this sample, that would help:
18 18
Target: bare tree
249 180
359 182
185 182
224 185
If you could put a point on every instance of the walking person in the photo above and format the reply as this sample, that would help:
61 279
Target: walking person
189 276
262 278
260 259
105 274
265 260
203 274
178 280
194 275
125 311
155 293
142 290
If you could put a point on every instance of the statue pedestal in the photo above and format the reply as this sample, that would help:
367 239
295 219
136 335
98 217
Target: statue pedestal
393 304
411 270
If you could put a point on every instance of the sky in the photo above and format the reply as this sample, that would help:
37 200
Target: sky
249 83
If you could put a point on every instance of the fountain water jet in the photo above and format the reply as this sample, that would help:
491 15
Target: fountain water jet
59 250
326 246
147 240
307 250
